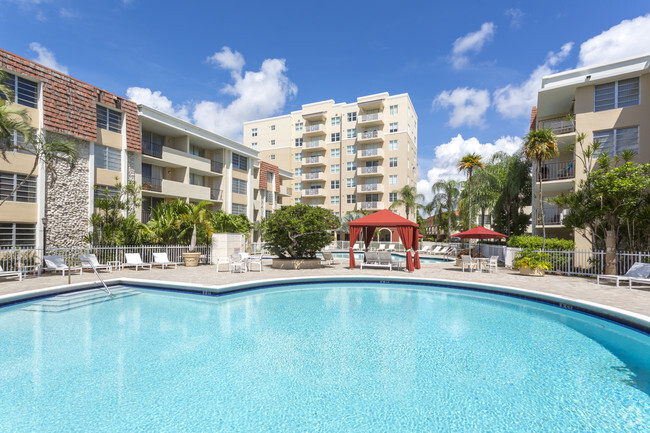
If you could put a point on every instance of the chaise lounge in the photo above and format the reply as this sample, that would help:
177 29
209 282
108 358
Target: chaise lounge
639 271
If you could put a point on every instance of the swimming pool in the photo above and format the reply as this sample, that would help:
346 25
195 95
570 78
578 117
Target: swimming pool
399 257
332 356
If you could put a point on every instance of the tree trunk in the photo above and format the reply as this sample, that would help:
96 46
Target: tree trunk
610 249
193 240
541 203
469 210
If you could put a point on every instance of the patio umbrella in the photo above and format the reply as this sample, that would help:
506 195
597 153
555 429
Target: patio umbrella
478 232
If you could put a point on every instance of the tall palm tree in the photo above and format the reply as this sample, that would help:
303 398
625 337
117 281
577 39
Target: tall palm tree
469 163
539 146
408 197
196 215
447 193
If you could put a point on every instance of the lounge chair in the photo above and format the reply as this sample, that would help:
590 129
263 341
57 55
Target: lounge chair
223 261
56 264
425 249
386 259
255 261
382 247
237 263
371 259
356 247
468 262
436 250
493 263
645 281
4 273
638 271
161 259
90 261
391 247
134 260
329 258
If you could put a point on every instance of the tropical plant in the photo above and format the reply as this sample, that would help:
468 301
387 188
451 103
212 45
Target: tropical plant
11 118
110 225
535 242
532 259
408 197
467 164
446 194
349 216
539 146
196 215
226 223
162 223
299 231
512 180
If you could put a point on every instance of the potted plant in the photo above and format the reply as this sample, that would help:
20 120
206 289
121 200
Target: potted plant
195 215
532 262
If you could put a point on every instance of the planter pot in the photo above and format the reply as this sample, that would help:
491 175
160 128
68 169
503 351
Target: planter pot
191 259
296 264
532 272
459 262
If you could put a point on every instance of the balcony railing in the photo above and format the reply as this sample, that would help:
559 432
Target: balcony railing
553 215
319 175
369 153
370 117
151 184
152 149
558 170
216 194
370 205
370 187
376 169
559 125
313 144
216 166
314 128
369 135
313 191
313 160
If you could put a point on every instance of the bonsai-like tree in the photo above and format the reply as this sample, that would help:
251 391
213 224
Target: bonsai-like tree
298 231
469 163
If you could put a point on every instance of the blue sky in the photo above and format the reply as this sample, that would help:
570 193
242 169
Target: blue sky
470 68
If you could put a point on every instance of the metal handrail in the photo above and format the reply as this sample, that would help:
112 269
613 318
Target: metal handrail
98 276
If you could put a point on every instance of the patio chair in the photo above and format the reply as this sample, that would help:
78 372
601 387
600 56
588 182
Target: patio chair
356 247
386 259
493 263
391 247
255 261
223 261
329 258
371 259
468 262
425 249
237 263
638 271
133 260
56 264
436 250
645 281
382 247
4 273
162 260
90 261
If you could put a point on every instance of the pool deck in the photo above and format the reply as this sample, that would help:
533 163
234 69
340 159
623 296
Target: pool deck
636 300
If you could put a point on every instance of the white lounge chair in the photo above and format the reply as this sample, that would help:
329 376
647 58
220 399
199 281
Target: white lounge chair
57 264
637 271
329 258
371 259
255 262
493 263
223 261
161 259
645 281
4 273
356 247
237 263
425 249
386 259
391 247
436 250
90 261
382 247
133 260
468 262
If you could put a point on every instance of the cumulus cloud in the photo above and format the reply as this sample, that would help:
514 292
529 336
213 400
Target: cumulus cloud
46 58
157 101
255 95
514 101
470 43
622 41
447 155
516 17
469 105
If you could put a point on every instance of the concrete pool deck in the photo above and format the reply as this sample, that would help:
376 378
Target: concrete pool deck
636 300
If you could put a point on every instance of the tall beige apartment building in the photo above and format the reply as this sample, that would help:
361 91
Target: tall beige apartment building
609 103
344 156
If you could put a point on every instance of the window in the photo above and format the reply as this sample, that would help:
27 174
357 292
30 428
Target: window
336 121
392 162
26 193
297 200
352 117
372 198
272 142
108 158
239 186
196 179
197 151
393 127
335 153
351 150
393 109
239 209
297 157
351 166
272 156
336 136
297 171
25 91
152 144
254 145
297 186
13 235
352 133
335 168
618 94
108 119
299 126
351 182
392 145
392 179
298 142
239 162
351 198
615 141
392 197
105 193
254 132
335 184
272 127
335 199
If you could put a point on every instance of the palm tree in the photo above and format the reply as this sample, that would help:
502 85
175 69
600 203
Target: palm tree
469 163
540 145
407 197
447 192
196 215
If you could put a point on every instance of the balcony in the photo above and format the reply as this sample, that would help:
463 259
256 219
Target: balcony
216 194
370 187
151 184
313 192
558 170
313 176
216 167
370 205
370 171
559 125
314 145
371 119
317 129
152 149
313 160
285 190
370 153
553 216
370 136
312 117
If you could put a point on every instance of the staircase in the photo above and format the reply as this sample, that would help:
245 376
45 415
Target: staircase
68 301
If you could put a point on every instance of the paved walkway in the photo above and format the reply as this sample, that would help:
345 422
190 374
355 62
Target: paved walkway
636 300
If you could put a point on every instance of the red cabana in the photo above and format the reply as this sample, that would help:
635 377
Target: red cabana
407 230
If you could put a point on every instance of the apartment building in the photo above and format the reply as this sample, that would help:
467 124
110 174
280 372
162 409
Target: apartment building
343 156
119 141
609 103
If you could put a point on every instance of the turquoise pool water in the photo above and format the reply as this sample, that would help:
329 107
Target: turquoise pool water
343 356
396 256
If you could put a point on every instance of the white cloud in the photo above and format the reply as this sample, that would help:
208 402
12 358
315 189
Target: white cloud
471 42
447 156
46 58
469 105
514 101
622 41
228 60
157 101
516 17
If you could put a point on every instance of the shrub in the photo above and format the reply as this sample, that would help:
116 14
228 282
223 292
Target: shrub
535 242
298 231
532 259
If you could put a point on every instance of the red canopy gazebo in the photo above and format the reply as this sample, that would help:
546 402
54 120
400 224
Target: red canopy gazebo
479 232
407 231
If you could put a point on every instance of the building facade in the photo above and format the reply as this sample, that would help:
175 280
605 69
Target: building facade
344 157
609 103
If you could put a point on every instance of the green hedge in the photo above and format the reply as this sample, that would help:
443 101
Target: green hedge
535 242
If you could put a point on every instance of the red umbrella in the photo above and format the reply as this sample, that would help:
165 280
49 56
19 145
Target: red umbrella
478 232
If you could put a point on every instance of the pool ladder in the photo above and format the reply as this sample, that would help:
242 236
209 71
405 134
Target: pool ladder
100 278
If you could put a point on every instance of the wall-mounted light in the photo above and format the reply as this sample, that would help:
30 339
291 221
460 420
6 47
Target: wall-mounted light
588 78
